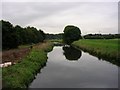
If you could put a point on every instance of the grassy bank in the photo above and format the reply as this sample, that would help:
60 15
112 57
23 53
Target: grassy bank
105 49
56 40
21 74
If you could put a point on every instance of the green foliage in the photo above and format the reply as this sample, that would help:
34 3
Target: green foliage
54 36
71 33
9 37
106 49
56 40
21 74
102 36
12 36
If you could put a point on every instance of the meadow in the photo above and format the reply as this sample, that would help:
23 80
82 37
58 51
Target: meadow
102 48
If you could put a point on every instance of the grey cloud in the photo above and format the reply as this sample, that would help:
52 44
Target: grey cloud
53 17
24 13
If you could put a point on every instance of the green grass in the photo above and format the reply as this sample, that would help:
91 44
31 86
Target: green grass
21 74
103 48
56 40
24 46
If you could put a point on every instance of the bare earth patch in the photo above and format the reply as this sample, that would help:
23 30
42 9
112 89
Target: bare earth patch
14 55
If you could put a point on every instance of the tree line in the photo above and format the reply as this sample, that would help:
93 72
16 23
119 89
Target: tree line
54 36
101 36
13 36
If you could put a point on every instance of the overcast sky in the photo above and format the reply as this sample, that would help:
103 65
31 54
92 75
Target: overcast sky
52 17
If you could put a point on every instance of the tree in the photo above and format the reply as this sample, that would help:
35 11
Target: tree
12 36
42 38
20 34
71 33
9 36
54 36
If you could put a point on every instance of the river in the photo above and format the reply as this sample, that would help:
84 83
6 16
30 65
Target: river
68 67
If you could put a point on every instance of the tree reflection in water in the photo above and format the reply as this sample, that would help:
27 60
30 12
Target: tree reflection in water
71 53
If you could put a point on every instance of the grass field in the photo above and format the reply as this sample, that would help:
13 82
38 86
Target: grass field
21 74
105 49
56 40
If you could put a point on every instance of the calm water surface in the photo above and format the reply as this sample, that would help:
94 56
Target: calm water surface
68 67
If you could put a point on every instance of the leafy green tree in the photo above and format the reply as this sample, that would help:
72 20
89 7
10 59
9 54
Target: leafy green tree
12 36
42 37
54 36
71 33
9 36
20 34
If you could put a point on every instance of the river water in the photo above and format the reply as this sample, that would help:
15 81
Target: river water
68 67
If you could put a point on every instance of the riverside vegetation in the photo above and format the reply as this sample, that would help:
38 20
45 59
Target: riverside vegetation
102 48
21 74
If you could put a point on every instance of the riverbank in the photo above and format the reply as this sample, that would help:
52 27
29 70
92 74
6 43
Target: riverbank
14 55
103 49
21 74
56 40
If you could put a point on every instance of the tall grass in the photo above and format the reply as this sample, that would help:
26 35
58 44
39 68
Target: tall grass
103 48
21 74
56 40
